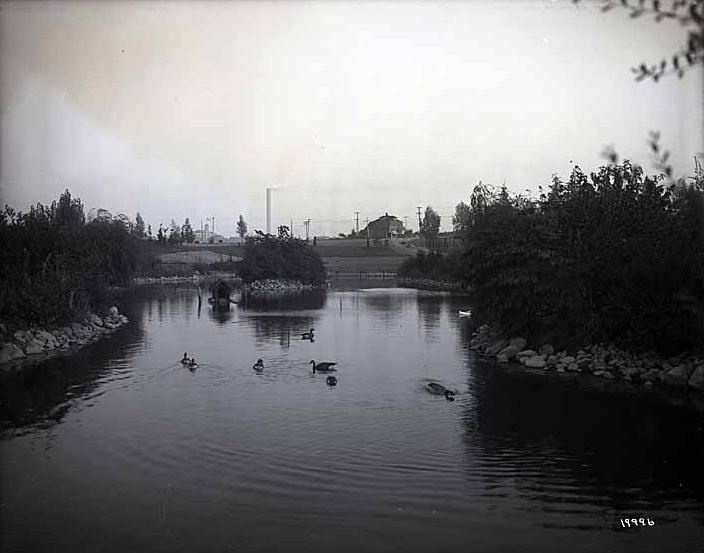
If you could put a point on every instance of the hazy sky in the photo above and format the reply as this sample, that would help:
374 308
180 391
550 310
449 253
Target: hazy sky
180 109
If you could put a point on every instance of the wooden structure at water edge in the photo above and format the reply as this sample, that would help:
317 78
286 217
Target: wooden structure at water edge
220 294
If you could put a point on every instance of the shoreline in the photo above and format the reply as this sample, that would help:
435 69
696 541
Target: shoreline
431 284
684 372
278 287
33 344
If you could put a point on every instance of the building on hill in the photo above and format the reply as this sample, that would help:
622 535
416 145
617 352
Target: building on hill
385 226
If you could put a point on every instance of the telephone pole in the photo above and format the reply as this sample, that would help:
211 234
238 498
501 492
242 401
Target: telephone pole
357 214
307 223
419 223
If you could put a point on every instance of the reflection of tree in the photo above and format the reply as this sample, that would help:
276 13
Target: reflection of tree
34 392
308 299
284 328
385 306
532 433
430 309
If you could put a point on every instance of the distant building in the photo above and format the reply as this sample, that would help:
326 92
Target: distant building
385 226
207 236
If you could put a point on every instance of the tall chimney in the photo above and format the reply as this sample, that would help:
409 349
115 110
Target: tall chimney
268 210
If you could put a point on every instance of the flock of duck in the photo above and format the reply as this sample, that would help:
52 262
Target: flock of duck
324 367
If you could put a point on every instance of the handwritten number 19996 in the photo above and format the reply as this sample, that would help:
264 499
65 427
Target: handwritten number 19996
628 522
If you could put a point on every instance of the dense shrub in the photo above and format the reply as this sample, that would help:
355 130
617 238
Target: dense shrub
55 265
284 257
611 257
432 266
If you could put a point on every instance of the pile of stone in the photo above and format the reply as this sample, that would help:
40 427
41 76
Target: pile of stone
32 342
167 279
600 360
275 287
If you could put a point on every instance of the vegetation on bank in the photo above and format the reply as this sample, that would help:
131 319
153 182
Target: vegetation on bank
611 257
281 257
56 266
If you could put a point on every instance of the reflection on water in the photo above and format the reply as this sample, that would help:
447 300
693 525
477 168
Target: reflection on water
121 447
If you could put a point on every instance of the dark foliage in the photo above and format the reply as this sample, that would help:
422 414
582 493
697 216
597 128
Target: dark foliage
614 257
268 256
433 266
55 265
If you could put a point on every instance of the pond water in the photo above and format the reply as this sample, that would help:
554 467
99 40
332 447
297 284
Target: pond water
121 448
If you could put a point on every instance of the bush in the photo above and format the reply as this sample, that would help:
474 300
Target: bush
267 256
54 264
614 257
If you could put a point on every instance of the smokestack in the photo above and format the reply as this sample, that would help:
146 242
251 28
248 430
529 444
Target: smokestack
268 210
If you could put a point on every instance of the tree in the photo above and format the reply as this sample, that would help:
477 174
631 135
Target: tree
100 214
461 218
174 233
283 232
187 234
124 220
139 226
241 227
149 232
67 213
160 235
687 13
430 225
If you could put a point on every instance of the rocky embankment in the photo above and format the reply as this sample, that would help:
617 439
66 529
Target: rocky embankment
603 361
276 287
34 342
429 284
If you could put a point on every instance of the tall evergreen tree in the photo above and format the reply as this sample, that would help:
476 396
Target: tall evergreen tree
241 227
139 226
187 234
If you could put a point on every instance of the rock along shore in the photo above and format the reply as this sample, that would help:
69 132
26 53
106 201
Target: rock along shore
600 360
429 284
276 287
26 344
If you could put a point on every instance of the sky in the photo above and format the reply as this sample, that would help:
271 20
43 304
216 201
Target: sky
192 109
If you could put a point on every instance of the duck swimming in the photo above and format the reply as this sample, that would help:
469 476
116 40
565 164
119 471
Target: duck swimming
331 381
323 367
192 364
185 360
440 390
308 335
258 366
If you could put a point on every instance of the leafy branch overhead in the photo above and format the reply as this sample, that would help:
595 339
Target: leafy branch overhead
688 13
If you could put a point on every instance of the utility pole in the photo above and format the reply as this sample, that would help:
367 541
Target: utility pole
419 223
405 222
290 229
357 214
307 223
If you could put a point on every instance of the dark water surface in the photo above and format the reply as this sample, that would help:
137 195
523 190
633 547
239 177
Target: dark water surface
120 448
